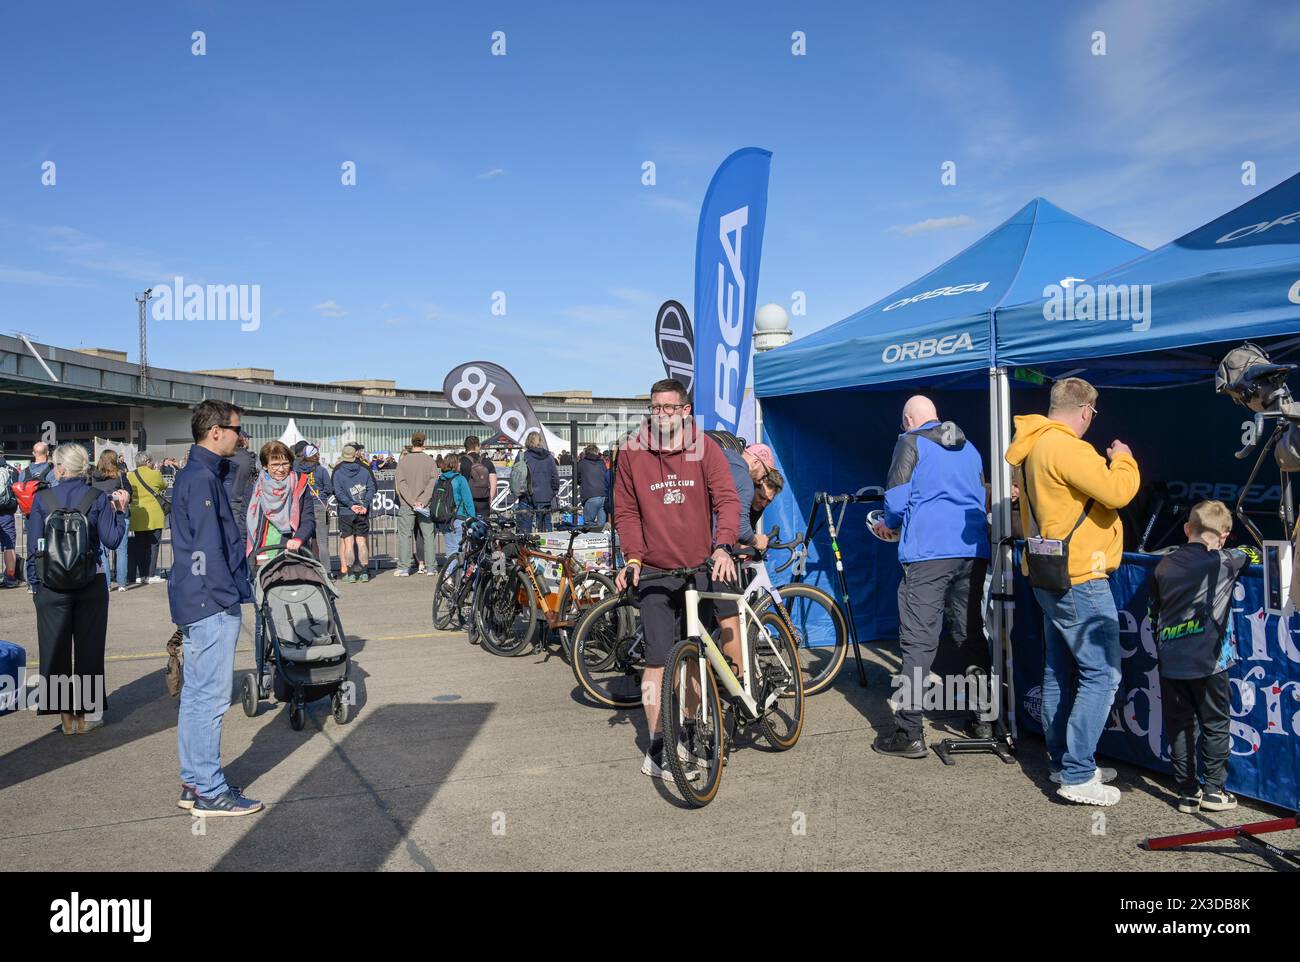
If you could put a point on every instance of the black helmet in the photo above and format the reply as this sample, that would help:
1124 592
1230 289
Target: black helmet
1248 377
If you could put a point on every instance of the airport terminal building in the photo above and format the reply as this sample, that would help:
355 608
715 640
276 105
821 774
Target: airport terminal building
64 394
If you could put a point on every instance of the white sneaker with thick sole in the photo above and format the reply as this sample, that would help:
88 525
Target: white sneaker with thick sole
652 768
1091 792
1107 775
402 573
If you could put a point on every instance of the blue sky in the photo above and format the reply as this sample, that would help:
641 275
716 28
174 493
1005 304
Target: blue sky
522 173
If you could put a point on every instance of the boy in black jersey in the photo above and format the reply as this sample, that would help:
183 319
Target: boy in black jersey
1191 598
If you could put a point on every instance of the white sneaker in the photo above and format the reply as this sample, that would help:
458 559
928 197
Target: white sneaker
652 768
1091 792
120 588
402 573
139 581
1107 775
155 580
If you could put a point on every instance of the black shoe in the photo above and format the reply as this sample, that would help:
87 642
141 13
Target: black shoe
979 729
900 745
1218 801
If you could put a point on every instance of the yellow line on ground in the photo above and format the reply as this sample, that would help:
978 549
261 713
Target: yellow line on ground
141 656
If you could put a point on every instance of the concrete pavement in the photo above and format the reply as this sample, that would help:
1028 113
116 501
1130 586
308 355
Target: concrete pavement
457 759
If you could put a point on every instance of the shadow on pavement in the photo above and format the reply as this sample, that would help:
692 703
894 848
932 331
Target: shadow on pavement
356 807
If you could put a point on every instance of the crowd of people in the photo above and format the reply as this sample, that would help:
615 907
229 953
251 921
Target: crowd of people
680 498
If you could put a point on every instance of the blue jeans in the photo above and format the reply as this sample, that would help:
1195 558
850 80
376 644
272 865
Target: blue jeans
593 511
1081 674
114 569
209 668
525 522
451 533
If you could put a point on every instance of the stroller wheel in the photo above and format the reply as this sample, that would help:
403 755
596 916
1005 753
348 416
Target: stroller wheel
339 707
297 716
249 695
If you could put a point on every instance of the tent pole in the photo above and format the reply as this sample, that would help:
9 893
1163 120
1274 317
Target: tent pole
1001 744
1000 435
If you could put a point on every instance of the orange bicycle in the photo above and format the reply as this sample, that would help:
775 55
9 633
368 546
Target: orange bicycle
516 606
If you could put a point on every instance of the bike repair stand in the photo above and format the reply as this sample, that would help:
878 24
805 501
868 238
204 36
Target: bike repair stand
1245 833
831 523
1001 744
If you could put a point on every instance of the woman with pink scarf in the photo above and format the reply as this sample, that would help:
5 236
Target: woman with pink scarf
279 510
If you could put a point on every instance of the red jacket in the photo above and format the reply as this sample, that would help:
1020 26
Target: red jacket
666 502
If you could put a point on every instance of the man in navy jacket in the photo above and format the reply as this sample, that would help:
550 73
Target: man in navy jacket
207 584
935 494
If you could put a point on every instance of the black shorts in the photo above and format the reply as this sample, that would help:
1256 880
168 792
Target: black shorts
663 603
351 524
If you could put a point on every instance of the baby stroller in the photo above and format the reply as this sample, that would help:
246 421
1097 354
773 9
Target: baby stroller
300 646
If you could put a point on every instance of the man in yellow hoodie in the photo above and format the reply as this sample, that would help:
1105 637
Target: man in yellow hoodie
1068 490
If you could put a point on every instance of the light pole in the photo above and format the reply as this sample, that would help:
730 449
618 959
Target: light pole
771 330
142 300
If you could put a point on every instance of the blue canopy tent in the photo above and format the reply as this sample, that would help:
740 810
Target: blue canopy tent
1236 278
831 400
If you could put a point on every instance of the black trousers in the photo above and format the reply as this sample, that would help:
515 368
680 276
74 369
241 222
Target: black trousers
1186 702
931 593
70 630
142 554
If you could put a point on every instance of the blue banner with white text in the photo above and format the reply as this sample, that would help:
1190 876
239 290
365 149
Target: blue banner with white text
726 285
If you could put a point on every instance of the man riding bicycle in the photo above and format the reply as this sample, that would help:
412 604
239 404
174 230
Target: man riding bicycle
675 506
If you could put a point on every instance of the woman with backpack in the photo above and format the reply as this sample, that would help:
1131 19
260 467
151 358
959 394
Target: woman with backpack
541 486
70 525
452 502
109 476
148 515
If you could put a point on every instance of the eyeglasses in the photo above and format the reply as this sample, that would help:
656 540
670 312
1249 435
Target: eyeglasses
1093 409
664 408
229 427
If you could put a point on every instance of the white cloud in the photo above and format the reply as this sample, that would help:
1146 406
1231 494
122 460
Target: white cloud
931 224
19 275
329 308
489 174
673 205
96 254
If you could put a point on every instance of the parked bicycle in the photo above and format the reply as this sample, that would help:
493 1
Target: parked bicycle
698 724
517 609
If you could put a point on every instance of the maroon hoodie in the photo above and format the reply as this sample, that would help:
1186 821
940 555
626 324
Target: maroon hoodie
665 501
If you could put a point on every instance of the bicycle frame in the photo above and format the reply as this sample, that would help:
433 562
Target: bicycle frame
742 694
570 567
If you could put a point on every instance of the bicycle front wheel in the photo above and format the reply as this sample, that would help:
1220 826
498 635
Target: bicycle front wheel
507 613
692 723
447 611
820 633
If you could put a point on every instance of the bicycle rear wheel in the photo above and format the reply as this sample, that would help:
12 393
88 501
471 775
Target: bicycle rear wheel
775 671
692 724
577 597
607 653
507 613
813 615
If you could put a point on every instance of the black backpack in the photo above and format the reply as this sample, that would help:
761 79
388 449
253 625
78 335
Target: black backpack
480 488
68 561
443 508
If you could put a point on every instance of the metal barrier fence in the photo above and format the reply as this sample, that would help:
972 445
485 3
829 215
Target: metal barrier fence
382 540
